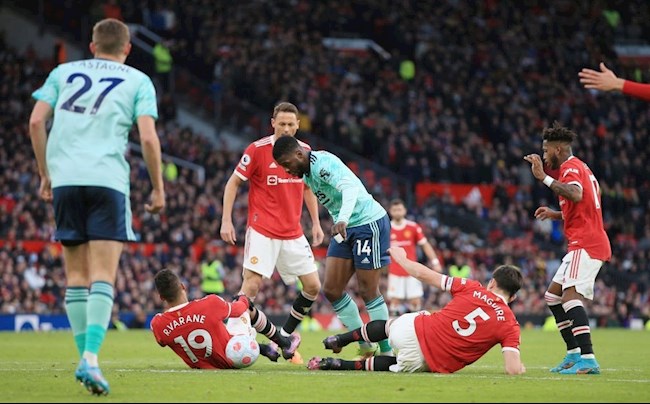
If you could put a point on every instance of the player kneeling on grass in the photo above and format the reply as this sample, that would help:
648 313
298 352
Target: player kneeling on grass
195 330
476 319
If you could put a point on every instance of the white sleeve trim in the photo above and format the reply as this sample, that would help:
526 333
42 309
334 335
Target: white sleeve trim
507 348
446 282
241 176
575 183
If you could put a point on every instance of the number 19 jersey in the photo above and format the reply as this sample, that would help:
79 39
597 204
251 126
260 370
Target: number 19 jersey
196 332
472 323
95 103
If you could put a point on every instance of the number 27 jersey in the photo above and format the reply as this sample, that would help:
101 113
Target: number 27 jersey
472 323
95 103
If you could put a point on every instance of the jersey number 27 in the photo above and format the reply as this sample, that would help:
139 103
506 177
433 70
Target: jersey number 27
69 105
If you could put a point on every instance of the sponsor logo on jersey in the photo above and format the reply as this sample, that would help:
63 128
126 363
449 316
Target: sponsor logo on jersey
324 174
275 180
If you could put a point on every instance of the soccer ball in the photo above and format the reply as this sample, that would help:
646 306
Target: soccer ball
242 350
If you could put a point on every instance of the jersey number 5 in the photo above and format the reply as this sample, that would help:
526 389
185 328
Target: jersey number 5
471 320
87 84
192 343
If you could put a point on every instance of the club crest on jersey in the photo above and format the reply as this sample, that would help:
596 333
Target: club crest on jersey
407 234
324 174
254 260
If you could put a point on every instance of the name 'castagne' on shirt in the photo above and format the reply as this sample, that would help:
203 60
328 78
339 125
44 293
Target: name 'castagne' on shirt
194 318
497 309
102 65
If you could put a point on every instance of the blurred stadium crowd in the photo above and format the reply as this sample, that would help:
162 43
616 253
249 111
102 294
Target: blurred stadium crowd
488 77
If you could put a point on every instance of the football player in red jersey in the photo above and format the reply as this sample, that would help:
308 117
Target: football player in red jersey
409 235
588 245
274 235
195 330
476 319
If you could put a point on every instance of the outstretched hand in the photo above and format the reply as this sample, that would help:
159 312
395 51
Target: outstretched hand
603 80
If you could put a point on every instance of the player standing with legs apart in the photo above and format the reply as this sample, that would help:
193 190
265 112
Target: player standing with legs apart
361 233
94 103
402 286
195 330
274 236
476 319
588 245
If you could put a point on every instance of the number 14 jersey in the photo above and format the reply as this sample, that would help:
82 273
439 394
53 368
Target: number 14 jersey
467 327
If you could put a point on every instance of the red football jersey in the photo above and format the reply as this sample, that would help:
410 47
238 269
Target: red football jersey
583 221
408 235
638 90
274 196
467 327
196 331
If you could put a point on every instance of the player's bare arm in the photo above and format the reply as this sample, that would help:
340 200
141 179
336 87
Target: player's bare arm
570 191
229 194
40 114
311 202
513 364
428 250
152 158
415 269
544 212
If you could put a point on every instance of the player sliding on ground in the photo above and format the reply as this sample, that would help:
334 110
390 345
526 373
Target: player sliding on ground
476 319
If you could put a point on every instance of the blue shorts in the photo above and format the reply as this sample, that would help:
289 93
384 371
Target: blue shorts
367 245
84 213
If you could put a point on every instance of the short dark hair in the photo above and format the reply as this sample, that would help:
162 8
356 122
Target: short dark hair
397 201
168 285
285 107
283 146
558 133
508 278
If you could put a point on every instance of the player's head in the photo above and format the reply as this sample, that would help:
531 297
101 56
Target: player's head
111 38
285 120
291 156
556 144
169 287
508 279
397 209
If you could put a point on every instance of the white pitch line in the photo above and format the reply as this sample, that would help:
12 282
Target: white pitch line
581 378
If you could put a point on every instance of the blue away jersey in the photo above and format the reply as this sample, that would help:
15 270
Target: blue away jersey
95 103
341 191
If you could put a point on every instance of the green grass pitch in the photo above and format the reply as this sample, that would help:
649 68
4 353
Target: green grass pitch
39 366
